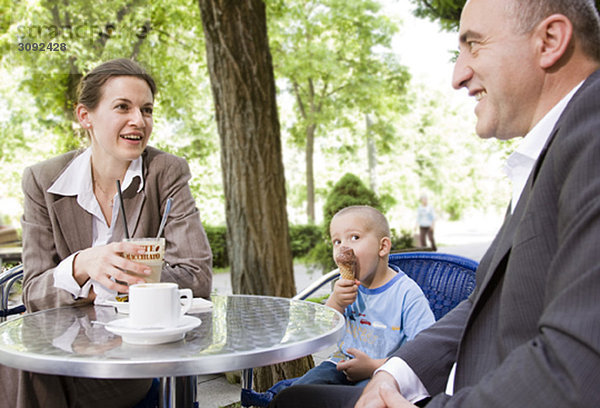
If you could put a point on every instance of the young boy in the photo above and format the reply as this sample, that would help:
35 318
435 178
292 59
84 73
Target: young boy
383 307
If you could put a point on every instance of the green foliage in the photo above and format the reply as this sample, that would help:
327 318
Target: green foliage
37 103
334 57
164 37
402 241
457 172
321 255
217 238
319 299
348 191
304 238
446 12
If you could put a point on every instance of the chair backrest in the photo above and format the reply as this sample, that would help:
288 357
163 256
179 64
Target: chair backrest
7 280
446 280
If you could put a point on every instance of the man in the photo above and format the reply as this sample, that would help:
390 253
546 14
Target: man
529 335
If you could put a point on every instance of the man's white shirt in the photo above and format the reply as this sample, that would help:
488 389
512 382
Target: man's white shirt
520 163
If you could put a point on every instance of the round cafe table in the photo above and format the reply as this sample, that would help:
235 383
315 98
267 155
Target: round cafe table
239 332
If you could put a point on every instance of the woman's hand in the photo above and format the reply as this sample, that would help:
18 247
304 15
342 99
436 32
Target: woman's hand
344 294
104 262
360 367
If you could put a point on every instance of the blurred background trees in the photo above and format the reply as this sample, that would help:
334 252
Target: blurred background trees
446 12
346 103
333 57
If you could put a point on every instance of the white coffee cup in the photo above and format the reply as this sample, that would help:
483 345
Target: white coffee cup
158 305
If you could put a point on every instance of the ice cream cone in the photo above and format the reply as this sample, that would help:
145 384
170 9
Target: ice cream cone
346 262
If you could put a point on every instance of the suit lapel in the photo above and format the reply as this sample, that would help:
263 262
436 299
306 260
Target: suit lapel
77 235
503 243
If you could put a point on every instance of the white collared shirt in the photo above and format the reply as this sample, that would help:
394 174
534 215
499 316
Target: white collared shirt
518 167
520 163
76 180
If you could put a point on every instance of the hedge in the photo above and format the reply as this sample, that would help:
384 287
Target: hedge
302 239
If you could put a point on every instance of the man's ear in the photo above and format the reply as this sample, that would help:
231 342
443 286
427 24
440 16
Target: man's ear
385 246
554 35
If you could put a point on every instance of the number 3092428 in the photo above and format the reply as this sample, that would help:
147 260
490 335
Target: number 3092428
42 47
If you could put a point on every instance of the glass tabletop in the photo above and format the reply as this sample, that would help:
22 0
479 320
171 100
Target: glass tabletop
240 331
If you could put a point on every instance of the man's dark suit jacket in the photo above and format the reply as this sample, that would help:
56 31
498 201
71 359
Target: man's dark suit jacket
529 335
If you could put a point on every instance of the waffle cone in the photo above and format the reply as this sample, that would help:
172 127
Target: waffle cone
347 272
346 261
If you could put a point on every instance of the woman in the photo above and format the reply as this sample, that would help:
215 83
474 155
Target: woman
72 230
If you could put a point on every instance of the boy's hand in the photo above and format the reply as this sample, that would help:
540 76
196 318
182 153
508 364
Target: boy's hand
360 367
344 294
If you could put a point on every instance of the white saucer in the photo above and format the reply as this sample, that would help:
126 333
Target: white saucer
132 335
199 305
122 307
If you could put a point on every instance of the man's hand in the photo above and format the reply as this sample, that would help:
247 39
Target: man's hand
382 392
392 398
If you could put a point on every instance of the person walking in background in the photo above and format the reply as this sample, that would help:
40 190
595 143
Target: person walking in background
426 222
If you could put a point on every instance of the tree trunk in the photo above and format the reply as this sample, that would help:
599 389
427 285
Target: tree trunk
310 173
372 155
243 86
71 89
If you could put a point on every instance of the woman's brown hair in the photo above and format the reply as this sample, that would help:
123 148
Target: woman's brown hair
89 91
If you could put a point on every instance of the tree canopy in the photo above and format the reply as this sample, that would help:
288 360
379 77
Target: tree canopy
334 58
39 93
446 12
331 58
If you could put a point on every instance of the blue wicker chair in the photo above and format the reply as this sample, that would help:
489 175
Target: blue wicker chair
446 280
